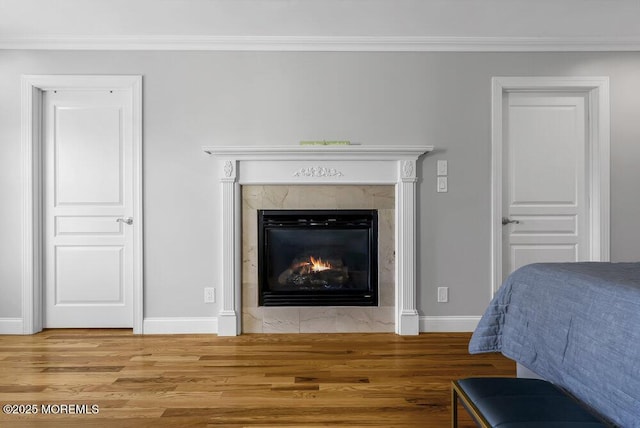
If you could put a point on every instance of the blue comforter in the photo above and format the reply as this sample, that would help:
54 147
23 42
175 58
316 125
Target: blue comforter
576 325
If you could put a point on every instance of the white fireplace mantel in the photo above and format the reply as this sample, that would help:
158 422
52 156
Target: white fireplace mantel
304 165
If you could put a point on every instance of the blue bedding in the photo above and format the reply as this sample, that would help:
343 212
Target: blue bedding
578 326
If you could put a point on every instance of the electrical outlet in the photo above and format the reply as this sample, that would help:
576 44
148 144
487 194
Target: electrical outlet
442 168
443 186
443 294
209 295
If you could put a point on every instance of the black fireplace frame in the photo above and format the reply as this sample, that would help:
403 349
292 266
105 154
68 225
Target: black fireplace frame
318 219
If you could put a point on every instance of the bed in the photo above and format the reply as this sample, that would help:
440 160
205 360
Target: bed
576 325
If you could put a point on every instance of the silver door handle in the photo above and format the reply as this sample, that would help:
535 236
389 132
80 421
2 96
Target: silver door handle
127 220
506 220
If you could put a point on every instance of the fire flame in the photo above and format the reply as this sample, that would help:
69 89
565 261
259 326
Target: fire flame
317 265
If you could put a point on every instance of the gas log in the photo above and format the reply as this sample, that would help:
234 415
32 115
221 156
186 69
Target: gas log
309 272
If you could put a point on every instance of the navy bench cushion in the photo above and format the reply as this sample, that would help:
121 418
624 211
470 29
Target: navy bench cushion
524 403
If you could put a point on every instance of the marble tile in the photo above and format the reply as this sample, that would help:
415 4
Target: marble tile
353 320
365 320
318 197
280 320
294 196
252 196
249 294
386 293
386 256
382 319
249 225
384 197
318 320
386 223
353 197
249 238
252 320
249 263
278 197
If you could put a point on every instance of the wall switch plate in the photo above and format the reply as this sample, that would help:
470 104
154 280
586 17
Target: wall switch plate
443 294
209 295
442 167
443 185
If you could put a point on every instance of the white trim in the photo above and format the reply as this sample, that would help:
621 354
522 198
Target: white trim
181 325
319 152
324 43
33 88
31 208
597 91
11 326
279 165
448 324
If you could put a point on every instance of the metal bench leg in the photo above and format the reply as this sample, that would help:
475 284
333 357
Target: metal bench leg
454 407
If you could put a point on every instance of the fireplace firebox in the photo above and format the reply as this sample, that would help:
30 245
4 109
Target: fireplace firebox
318 257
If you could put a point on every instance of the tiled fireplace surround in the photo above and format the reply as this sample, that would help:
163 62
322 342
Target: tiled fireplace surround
345 319
327 177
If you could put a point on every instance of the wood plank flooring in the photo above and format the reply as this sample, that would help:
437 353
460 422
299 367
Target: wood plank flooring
253 380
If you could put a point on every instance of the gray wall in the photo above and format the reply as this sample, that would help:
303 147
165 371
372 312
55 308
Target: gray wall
193 99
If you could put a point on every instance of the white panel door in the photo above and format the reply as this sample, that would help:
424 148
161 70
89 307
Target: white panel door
545 199
88 205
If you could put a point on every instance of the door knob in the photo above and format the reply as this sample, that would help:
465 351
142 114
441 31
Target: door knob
127 220
506 220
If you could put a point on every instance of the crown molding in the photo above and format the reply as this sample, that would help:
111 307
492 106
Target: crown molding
324 43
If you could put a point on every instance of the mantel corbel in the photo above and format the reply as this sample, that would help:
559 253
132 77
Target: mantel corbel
229 170
407 170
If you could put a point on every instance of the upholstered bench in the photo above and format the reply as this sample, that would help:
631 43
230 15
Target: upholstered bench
519 403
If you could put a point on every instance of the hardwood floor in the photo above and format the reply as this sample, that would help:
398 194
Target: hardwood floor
254 380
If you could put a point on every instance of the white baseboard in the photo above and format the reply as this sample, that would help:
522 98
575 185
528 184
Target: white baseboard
180 325
209 325
11 326
448 324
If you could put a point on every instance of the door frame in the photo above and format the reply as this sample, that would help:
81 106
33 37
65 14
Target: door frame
596 90
33 88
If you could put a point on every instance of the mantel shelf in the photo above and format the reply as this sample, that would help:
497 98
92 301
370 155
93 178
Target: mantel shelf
338 152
